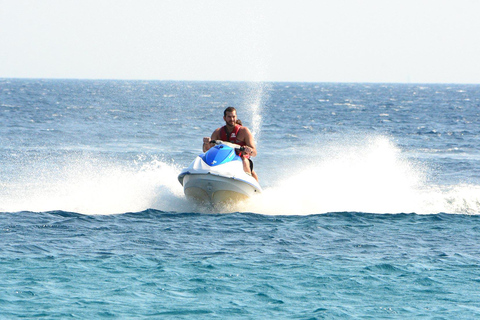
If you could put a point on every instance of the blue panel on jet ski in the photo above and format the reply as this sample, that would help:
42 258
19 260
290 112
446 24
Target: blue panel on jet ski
218 155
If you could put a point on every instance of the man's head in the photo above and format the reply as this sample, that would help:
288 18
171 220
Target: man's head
229 109
230 116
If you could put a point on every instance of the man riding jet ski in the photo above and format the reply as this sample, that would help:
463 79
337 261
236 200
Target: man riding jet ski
234 132
224 173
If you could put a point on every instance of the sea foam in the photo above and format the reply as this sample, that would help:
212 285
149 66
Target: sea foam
367 175
371 175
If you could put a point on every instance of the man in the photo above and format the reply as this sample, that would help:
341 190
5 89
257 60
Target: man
235 133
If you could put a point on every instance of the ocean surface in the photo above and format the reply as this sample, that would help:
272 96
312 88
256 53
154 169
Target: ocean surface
370 206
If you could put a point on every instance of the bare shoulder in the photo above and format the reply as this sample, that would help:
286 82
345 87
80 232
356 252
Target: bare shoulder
216 134
245 135
244 131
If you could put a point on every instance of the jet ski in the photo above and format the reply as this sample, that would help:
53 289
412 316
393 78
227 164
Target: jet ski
217 176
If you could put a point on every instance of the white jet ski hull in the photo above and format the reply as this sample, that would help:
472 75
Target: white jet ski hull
216 184
209 188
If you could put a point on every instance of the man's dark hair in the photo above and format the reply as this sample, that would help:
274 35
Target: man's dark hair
229 109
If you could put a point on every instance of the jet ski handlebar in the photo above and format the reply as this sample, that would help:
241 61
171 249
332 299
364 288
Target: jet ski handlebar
232 145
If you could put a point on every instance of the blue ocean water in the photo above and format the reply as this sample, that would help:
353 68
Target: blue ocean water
370 206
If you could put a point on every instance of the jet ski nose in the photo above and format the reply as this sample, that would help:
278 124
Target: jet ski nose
218 155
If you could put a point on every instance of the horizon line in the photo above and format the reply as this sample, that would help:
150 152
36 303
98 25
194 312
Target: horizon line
236 81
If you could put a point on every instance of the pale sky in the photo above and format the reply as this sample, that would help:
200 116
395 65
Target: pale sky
417 41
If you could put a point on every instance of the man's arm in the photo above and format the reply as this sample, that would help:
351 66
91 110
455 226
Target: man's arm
249 141
206 141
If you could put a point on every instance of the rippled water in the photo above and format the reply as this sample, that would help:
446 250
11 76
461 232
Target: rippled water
239 265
